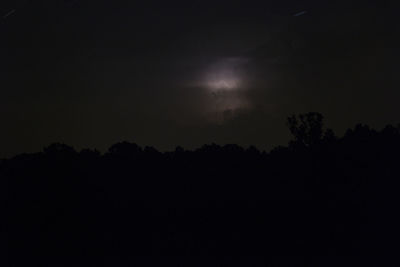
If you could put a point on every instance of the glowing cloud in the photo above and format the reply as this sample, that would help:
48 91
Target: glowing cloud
226 74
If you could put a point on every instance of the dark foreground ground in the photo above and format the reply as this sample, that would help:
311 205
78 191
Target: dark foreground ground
322 201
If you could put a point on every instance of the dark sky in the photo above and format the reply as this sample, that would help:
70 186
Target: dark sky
168 73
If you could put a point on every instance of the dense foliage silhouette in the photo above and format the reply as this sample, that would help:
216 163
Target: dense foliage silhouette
320 201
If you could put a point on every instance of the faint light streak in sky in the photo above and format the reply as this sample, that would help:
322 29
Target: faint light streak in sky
301 13
12 11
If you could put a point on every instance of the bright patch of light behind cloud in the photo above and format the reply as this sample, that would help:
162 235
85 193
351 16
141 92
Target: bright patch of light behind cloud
225 74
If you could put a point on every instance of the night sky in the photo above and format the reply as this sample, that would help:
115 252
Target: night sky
168 73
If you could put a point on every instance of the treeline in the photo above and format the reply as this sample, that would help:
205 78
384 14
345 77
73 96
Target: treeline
321 201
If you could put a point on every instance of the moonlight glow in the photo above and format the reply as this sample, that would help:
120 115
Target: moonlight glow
223 80
225 75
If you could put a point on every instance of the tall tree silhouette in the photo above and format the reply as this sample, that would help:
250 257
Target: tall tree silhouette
307 129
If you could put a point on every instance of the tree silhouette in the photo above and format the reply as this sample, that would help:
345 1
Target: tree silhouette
308 129
324 200
125 150
58 148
